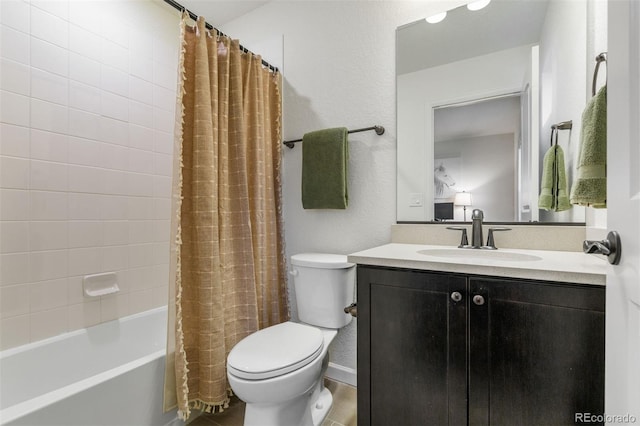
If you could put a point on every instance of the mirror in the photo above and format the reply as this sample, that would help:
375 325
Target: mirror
477 94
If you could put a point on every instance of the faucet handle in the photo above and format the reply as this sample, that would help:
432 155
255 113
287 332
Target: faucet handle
464 241
490 241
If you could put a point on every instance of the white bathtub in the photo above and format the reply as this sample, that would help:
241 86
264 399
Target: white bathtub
109 374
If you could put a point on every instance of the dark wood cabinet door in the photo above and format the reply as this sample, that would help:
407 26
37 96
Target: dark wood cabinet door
536 352
412 348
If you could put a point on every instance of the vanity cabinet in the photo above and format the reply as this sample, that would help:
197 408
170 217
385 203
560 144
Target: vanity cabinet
439 348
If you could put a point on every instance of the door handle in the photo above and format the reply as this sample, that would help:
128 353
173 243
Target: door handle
609 247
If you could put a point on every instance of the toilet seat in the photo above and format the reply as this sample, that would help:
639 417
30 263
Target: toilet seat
321 260
275 351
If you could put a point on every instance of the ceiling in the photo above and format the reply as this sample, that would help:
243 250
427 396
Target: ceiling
465 34
220 12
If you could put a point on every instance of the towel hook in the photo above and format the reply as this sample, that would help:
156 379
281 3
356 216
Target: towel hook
599 59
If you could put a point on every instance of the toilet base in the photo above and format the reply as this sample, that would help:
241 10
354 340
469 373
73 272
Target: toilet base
309 409
322 407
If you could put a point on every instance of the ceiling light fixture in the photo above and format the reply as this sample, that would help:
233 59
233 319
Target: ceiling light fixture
477 5
434 19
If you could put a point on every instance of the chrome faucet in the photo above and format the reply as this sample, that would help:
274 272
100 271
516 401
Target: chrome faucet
476 228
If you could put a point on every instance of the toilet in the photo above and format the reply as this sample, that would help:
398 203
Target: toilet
278 371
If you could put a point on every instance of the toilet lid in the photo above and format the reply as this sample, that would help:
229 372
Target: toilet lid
275 350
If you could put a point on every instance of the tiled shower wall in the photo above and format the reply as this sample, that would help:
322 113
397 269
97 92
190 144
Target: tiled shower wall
87 113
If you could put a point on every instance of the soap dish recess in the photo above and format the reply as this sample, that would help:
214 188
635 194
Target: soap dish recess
100 284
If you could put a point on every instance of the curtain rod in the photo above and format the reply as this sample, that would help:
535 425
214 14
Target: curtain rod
379 131
193 16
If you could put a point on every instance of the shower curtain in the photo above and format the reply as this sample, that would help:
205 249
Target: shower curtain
227 255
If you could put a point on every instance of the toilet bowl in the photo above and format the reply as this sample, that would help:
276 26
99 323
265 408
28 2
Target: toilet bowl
279 371
294 397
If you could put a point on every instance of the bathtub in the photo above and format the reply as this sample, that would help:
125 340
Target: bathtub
109 374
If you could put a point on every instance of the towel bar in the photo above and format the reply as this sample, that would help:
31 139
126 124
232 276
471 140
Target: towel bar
379 131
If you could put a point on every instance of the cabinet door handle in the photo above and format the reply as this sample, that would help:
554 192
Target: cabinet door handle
456 296
478 300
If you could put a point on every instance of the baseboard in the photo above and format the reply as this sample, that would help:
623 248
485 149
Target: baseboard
342 374
177 422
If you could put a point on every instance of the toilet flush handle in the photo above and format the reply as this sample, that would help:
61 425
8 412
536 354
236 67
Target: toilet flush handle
293 272
352 309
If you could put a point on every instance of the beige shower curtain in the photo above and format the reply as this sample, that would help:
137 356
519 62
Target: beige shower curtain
227 258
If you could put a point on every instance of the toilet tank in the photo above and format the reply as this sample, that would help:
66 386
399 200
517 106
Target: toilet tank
324 285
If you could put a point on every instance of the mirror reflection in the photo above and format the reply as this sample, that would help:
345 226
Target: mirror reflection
477 94
477 153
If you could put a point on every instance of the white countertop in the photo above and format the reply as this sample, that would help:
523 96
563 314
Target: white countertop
563 266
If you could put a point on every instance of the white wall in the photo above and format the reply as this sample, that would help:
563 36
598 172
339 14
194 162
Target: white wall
87 112
339 70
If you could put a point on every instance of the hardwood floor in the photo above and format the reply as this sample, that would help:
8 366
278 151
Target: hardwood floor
343 411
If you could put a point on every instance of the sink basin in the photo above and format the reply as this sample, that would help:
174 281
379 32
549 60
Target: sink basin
460 253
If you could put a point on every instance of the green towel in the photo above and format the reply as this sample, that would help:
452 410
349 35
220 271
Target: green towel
553 193
325 154
590 188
